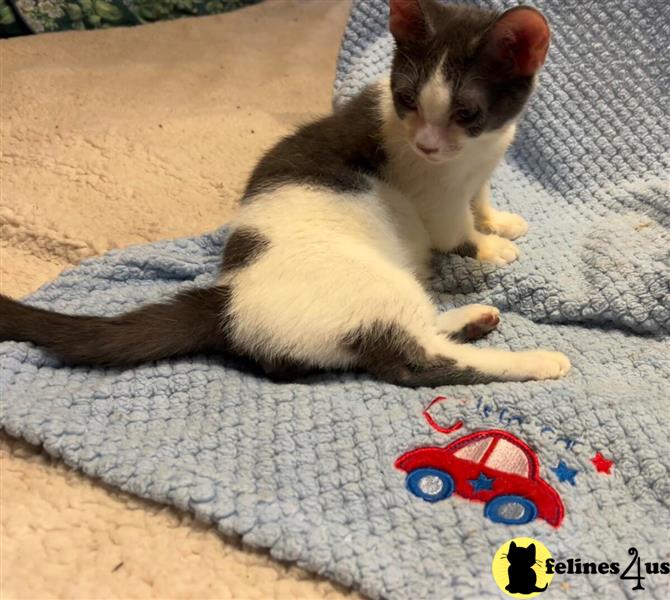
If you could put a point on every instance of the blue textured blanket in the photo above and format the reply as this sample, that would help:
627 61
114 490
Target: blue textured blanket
307 470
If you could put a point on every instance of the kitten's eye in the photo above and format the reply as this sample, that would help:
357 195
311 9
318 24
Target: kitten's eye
406 101
467 116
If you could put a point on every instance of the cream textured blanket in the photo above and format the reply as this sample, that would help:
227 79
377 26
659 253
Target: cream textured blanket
102 146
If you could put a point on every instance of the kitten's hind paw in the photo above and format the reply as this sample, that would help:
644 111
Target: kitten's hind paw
544 364
469 322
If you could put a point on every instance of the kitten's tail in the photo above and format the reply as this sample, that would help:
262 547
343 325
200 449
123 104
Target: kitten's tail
192 321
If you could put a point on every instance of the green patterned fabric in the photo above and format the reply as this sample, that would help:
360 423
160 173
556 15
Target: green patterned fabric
10 23
18 17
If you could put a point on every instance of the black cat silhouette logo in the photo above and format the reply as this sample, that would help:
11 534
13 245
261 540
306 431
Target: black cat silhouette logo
519 568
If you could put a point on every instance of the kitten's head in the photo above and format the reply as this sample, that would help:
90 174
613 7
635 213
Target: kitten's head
520 556
460 71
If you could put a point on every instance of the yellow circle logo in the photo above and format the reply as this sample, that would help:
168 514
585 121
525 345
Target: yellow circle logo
519 568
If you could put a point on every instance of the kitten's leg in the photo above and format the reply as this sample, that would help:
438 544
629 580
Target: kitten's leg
391 355
503 365
455 232
469 322
490 220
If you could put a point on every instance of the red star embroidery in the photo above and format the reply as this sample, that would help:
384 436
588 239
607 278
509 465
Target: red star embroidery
601 464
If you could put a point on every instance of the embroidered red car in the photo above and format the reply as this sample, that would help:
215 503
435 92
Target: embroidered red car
494 467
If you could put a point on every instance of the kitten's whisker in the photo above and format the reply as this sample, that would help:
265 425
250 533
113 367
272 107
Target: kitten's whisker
410 63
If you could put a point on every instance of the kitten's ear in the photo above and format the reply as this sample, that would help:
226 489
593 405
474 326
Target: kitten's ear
531 549
519 40
407 20
512 546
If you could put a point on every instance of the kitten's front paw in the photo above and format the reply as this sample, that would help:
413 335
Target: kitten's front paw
497 250
508 225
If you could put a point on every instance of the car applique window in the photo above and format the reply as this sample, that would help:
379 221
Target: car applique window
508 458
474 451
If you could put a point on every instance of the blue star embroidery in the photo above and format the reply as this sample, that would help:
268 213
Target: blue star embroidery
565 473
481 483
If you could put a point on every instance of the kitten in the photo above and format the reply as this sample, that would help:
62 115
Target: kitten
324 265
522 577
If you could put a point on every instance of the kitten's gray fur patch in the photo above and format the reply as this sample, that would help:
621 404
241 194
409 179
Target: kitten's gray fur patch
467 249
391 354
284 369
244 245
462 336
337 152
469 333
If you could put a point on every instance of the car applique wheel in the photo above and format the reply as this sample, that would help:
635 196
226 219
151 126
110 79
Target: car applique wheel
431 485
510 510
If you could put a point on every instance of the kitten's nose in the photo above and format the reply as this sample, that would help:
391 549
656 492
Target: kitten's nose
427 139
427 150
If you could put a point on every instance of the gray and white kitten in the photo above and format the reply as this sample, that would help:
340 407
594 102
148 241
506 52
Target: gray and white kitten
325 265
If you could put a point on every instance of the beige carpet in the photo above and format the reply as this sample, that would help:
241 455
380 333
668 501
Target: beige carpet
119 137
